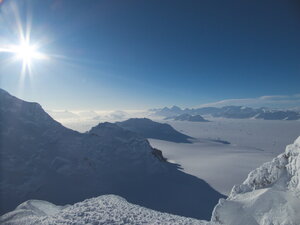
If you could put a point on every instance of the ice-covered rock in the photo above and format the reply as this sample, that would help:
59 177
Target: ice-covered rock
269 196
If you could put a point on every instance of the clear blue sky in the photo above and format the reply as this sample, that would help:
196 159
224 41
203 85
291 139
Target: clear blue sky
142 54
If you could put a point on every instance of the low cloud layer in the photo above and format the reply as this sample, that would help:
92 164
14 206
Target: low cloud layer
84 120
274 101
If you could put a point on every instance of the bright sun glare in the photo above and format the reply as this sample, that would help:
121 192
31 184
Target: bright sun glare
27 53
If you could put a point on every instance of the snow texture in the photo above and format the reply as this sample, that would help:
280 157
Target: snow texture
107 209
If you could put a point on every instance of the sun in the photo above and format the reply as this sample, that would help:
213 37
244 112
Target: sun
20 47
27 53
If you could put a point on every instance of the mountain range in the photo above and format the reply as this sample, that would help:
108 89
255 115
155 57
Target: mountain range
42 159
232 112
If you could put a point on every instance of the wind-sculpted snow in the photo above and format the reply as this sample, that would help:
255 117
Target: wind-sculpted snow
41 159
269 195
107 209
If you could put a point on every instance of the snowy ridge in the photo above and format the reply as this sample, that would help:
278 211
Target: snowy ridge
41 159
107 209
269 195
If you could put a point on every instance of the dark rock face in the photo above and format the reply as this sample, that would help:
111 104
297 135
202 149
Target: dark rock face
158 154
41 159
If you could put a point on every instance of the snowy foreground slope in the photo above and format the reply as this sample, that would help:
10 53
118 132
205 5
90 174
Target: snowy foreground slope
106 209
269 196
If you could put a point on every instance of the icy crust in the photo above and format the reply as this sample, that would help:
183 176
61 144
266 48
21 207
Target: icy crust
269 195
106 209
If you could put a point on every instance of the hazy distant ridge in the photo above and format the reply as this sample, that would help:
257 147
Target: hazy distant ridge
233 112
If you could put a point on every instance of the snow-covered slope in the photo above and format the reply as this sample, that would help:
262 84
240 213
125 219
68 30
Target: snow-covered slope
269 196
41 159
107 209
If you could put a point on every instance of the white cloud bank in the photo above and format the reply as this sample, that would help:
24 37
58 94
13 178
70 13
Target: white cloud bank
273 101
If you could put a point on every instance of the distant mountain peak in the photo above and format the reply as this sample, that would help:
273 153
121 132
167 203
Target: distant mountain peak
174 107
232 112
151 129
191 118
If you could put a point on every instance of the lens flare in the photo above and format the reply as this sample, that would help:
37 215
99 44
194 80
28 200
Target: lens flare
25 50
27 53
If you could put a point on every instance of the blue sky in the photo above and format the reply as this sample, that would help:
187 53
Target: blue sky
142 54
